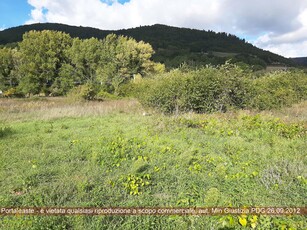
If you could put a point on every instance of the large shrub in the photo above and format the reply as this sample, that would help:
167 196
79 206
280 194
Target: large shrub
205 90
83 92
278 89
218 89
161 92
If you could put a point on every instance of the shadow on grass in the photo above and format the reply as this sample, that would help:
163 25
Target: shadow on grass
5 131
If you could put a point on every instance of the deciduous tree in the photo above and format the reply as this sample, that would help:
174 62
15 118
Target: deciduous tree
42 56
8 59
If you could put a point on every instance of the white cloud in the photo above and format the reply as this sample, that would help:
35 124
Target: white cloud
195 13
292 43
289 49
280 26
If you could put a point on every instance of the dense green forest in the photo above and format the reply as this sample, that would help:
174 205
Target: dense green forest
172 45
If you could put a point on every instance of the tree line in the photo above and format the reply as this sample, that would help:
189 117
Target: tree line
53 63
173 45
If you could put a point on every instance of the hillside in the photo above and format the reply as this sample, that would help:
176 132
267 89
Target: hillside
300 60
173 45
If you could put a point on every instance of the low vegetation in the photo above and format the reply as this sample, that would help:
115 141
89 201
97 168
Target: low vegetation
56 153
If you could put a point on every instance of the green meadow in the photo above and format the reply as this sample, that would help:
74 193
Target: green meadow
55 153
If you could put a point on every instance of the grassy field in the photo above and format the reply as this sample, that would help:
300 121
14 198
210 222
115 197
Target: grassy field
54 153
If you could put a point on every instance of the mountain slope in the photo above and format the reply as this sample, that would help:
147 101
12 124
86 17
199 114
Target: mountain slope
173 45
300 61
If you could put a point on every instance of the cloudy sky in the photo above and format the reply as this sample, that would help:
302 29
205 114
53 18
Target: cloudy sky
276 25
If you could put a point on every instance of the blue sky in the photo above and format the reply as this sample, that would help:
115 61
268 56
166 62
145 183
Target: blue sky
276 25
14 13
17 12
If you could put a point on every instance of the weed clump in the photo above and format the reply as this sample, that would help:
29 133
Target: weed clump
5 131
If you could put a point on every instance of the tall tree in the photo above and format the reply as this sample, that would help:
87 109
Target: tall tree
85 56
124 58
8 58
42 56
112 61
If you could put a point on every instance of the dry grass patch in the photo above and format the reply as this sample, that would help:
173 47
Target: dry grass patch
52 108
295 113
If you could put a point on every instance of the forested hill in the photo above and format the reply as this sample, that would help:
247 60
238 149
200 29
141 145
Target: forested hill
300 61
173 45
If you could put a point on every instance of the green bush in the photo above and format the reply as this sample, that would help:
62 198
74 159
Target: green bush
103 95
128 89
83 92
219 89
162 92
278 89
216 89
204 90
13 92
